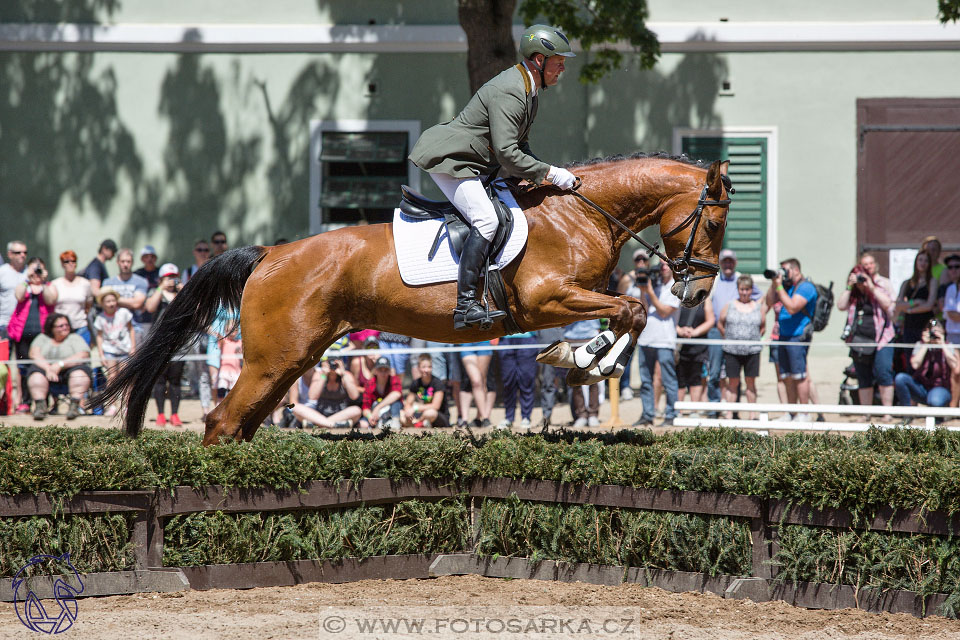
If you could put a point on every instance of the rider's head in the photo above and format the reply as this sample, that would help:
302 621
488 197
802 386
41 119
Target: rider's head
544 48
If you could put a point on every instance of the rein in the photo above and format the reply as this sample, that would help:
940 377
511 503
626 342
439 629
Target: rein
681 266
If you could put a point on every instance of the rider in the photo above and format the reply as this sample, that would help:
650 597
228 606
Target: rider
490 134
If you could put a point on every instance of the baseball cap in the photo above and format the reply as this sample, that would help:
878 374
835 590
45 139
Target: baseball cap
382 363
728 253
953 257
371 341
640 252
169 269
148 250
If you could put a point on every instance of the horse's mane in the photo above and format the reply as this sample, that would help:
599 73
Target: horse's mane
659 155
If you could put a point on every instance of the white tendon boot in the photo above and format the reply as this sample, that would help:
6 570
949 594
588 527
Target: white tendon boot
586 355
612 365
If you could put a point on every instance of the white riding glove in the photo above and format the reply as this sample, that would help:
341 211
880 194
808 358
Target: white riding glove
561 177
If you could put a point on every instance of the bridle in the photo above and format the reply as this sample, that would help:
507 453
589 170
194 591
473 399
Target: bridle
681 266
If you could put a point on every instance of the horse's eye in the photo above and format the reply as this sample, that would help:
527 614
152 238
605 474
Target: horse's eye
713 226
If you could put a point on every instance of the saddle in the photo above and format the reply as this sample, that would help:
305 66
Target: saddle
415 205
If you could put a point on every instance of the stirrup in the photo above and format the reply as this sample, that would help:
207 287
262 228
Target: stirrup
475 315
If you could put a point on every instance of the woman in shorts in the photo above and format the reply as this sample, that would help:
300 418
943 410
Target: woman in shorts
742 319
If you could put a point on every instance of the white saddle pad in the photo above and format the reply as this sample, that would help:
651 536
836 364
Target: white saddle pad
413 239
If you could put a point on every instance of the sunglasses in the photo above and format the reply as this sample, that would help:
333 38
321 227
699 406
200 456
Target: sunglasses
219 242
953 266
203 250
68 262
19 253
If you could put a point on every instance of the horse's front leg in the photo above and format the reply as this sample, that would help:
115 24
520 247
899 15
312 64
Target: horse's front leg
607 354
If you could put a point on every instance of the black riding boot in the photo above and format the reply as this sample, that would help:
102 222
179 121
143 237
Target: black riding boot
469 312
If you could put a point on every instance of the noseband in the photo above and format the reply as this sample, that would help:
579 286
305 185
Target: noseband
683 265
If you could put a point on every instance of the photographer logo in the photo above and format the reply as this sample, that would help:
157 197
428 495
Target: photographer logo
55 616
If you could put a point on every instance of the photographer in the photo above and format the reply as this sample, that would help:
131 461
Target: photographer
930 381
632 284
168 384
334 393
869 303
799 299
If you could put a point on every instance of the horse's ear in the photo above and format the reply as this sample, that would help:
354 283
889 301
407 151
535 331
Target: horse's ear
715 175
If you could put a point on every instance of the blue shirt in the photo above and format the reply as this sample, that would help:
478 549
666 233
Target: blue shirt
792 326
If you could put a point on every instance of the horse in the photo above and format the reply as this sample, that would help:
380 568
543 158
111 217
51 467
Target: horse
296 299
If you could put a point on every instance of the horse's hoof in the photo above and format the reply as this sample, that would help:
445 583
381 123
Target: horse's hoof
558 354
580 377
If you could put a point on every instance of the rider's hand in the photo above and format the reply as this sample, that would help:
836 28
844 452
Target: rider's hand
561 178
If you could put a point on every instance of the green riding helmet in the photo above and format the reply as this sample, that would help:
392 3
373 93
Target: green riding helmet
542 38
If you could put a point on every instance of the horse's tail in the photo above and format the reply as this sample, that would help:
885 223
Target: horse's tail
217 284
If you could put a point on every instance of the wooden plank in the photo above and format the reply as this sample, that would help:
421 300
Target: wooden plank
886 519
725 504
678 581
43 504
108 583
272 574
316 495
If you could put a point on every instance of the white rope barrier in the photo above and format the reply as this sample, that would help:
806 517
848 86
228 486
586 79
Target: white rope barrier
490 347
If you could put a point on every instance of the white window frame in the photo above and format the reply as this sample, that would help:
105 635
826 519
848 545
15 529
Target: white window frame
768 132
318 127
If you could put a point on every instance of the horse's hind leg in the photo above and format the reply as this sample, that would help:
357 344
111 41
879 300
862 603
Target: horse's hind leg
269 370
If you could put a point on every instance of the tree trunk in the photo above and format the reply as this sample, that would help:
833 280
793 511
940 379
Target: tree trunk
489 28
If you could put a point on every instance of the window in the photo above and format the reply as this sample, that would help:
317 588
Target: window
356 169
750 223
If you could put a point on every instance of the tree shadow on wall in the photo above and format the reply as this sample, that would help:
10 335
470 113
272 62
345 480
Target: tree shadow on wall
207 160
289 173
657 102
60 132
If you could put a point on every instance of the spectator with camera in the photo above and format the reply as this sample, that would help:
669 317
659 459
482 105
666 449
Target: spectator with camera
656 345
168 384
336 390
632 284
869 303
36 299
934 361
799 299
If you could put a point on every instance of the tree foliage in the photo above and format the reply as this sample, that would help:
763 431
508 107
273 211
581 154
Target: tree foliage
599 25
949 10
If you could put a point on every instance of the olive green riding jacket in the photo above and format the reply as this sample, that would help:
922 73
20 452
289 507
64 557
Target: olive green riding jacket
490 133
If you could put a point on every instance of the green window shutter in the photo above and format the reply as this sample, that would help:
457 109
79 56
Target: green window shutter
747 221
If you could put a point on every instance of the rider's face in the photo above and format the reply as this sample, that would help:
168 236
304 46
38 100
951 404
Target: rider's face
552 69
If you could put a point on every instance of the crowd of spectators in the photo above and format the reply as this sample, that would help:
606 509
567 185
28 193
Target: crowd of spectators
58 323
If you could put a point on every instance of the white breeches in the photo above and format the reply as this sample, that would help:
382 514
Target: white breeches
470 199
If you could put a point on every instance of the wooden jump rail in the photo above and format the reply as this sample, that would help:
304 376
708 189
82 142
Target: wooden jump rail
153 507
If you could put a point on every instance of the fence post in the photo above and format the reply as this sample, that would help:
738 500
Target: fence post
764 543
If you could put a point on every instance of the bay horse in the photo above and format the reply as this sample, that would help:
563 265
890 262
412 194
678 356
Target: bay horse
296 299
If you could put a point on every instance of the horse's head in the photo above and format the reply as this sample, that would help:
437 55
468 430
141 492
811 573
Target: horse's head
692 227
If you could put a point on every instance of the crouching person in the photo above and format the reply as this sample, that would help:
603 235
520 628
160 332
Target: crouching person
426 401
932 368
60 357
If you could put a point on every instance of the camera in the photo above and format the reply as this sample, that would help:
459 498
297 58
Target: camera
847 330
643 274
861 278
770 274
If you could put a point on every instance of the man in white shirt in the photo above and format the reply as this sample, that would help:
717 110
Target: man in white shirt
951 315
656 344
11 274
